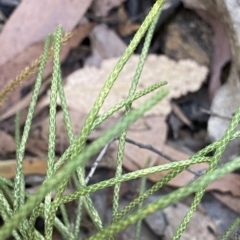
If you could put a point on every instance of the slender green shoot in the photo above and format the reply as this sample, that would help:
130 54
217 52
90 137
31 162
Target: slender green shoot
142 190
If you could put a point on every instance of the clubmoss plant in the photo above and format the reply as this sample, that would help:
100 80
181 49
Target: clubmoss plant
20 209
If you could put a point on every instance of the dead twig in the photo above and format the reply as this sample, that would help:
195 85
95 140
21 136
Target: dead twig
160 153
99 158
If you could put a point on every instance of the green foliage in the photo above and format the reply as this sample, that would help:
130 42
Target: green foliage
20 219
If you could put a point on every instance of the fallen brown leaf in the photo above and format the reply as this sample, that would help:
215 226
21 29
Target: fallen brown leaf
22 104
230 183
38 138
135 158
125 27
153 134
12 68
105 44
23 34
184 177
194 231
229 200
101 8
7 143
30 166
221 53
32 21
